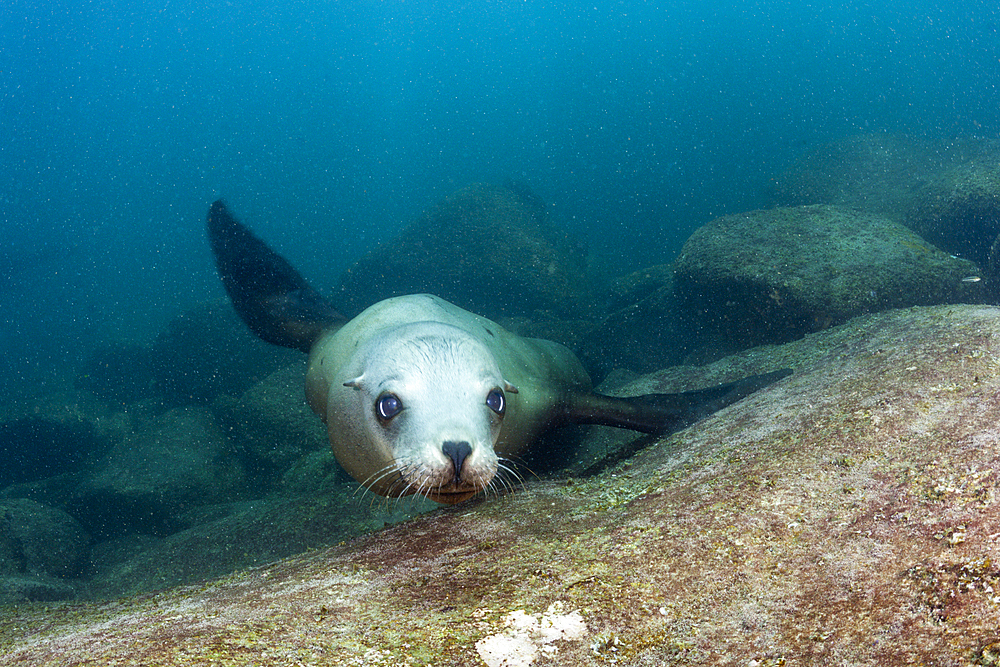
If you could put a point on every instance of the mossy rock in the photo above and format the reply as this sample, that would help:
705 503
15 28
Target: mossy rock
489 249
946 191
877 172
960 211
774 275
643 330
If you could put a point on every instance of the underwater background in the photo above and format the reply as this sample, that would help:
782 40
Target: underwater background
329 125
554 161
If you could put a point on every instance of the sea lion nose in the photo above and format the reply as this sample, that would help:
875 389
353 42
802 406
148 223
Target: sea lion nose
456 451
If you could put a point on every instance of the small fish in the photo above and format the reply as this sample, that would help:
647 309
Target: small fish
971 279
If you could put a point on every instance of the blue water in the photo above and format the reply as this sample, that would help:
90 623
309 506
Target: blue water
328 125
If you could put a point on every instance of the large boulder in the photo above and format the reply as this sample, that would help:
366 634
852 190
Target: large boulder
948 192
224 538
959 210
150 478
772 276
273 425
845 515
878 172
645 327
201 354
489 249
36 447
41 548
38 539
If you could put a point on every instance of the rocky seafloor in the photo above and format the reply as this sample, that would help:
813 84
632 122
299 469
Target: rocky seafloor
846 515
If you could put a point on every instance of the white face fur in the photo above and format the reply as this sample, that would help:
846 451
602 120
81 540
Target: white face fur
433 402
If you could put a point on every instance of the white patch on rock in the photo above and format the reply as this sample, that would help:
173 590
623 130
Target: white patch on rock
527 635
507 651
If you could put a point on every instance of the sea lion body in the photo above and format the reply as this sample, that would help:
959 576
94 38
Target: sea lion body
421 396
441 361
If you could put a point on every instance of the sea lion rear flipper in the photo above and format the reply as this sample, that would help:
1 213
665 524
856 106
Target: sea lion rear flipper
267 292
664 413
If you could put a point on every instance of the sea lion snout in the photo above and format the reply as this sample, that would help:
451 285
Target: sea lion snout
457 452
455 472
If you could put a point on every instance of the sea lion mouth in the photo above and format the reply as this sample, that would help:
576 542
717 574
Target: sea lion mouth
450 497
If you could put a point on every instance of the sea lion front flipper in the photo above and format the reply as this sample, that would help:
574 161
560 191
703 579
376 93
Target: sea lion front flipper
267 292
663 413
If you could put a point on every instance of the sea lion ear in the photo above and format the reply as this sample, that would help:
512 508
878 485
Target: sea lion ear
355 383
509 388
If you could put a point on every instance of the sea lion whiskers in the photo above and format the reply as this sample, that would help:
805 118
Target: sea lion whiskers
422 485
409 477
415 477
418 479
506 478
499 484
378 476
425 488
398 489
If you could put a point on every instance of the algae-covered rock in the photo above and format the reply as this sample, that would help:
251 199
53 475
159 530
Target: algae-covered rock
39 446
33 588
878 172
845 515
959 211
37 539
273 425
772 276
644 329
181 459
202 353
41 548
489 249
946 191
227 537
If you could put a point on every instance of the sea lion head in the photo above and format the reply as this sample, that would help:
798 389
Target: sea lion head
427 403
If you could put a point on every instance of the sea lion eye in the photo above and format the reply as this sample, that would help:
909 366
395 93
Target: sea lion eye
388 406
495 401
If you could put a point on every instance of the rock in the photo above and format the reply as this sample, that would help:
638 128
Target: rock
208 351
39 540
845 515
119 373
772 276
489 249
644 329
19 589
947 192
229 537
880 173
179 460
959 210
116 553
274 425
49 444
201 354
315 474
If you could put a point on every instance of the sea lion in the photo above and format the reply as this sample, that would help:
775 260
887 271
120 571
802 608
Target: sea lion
421 396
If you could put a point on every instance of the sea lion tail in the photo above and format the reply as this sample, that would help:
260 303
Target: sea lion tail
664 413
267 292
